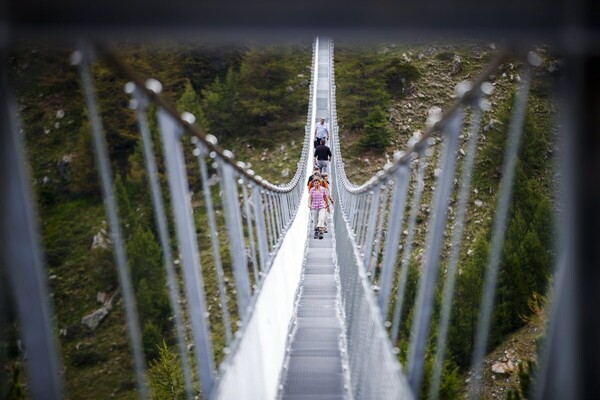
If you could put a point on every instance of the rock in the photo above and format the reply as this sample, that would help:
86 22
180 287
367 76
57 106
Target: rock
101 297
60 114
93 320
493 122
503 367
434 114
456 65
285 173
101 239
478 203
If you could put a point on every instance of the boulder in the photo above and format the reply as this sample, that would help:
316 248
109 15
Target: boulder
456 65
503 367
93 320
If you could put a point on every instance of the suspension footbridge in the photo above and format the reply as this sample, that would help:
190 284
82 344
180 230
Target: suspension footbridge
309 321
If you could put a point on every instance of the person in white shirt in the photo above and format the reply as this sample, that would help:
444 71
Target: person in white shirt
321 131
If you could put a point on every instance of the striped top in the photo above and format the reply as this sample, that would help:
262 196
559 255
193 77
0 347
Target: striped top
317 197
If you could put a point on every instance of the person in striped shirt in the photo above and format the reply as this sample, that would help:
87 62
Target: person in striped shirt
318 202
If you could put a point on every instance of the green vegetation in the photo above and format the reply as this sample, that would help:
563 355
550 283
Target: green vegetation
271 96
165 376
363 98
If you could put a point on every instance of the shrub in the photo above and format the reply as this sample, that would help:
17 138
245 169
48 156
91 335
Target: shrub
399 76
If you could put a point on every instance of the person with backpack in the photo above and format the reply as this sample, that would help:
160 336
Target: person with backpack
323 156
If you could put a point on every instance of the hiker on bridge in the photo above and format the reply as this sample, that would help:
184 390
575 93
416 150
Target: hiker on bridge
325 184
318 202
321 132
323 156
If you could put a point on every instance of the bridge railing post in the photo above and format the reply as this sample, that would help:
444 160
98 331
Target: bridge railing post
261 229
394 227
188 247
233 221
250 226
418 187
21 258
498 232
82 59
372 256
141 106
370 235
457 235
434 240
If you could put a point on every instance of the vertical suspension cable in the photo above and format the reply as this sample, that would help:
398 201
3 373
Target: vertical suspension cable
82 59
500 221
394 227
188 246
269 220
429 273
408 242
163 234
371 230
374 255
248 214
234 232
21 258
448 291
261 229
201 153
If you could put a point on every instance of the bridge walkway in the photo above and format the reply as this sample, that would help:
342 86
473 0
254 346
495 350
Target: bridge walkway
314 367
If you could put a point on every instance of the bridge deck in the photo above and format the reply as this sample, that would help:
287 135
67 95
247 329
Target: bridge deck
314 362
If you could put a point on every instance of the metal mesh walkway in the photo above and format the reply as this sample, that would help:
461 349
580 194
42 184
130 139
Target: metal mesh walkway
314 367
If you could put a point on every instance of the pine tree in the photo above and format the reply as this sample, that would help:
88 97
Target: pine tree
165 377
376 134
